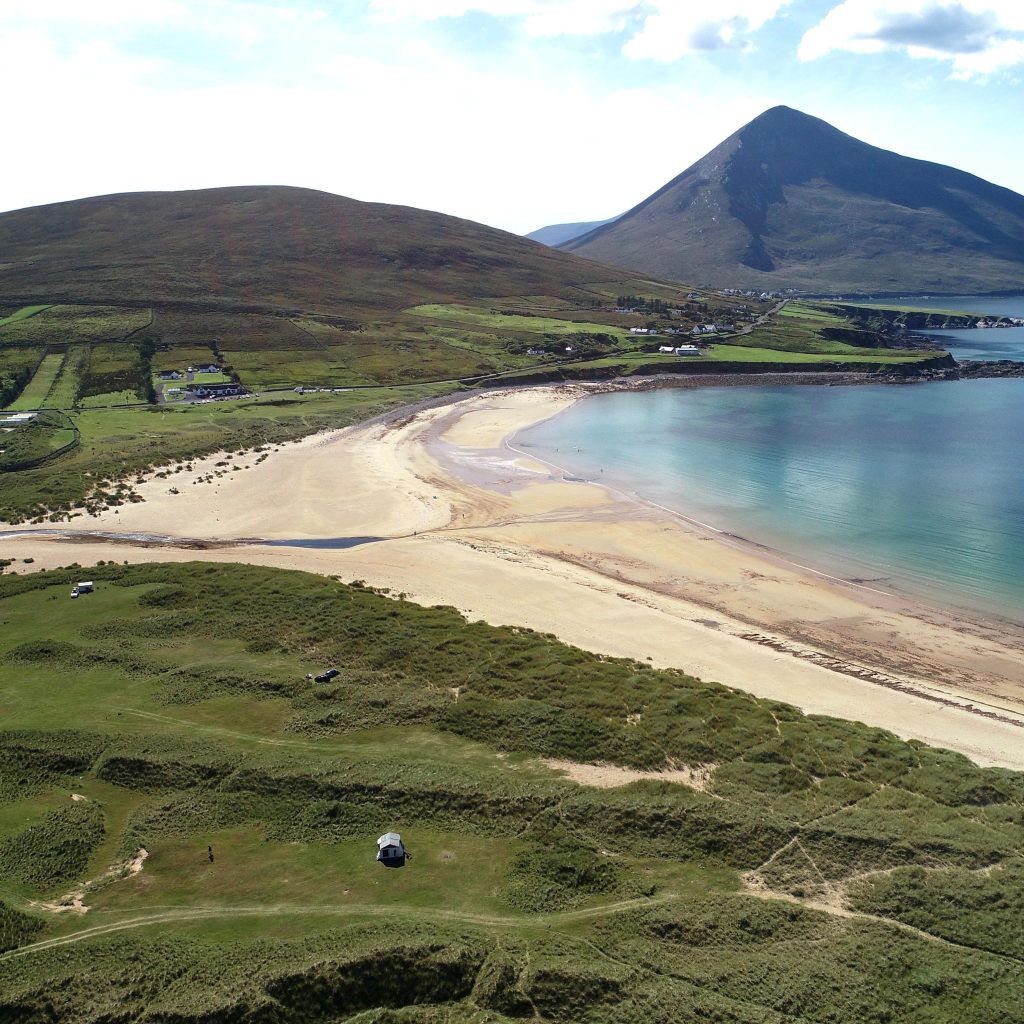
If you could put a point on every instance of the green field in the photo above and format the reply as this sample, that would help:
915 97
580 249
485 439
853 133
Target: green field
16 368
808 311
828 353
46 433
34 395
22 314
824 871
511 322
64 392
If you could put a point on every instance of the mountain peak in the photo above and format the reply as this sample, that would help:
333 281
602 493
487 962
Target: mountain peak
788 200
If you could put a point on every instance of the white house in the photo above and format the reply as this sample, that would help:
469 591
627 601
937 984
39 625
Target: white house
686 350
390 849
665 348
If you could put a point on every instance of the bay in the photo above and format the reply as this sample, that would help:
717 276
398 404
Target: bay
986 344
919 488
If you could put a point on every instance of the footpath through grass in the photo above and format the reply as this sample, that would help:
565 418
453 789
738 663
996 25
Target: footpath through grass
174 703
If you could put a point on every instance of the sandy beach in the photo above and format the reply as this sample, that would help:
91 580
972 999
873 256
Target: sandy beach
461 516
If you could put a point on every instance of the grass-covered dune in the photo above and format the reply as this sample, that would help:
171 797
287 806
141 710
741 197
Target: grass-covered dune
167 764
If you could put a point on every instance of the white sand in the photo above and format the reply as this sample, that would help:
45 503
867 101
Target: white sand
502 537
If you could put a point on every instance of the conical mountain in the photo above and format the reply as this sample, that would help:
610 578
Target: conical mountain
790 201
270 248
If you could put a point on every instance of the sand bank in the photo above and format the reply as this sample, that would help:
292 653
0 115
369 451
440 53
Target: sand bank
468 520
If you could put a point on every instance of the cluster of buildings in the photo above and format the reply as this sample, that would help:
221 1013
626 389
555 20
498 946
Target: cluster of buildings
197 389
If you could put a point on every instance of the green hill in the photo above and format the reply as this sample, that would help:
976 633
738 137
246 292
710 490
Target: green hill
270 249
788 201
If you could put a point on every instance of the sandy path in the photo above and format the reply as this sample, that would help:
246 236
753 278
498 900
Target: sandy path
473 523
416 913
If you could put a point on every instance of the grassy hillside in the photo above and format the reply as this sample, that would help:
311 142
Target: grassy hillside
271 249
812 870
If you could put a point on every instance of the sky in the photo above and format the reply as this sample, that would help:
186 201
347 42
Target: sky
514 113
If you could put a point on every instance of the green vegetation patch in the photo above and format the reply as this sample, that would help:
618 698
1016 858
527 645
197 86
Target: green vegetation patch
33 441
829 352
22 314
56 850
531 323
63 325
35 392
16 928
63 393
16 368
115 368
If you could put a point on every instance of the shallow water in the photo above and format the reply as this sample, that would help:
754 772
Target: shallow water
920 487
326 543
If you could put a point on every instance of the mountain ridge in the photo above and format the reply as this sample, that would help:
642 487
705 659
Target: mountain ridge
557 234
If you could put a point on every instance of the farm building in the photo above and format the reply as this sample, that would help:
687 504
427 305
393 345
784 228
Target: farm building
217 390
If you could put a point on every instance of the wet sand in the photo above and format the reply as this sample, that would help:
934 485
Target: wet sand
469 520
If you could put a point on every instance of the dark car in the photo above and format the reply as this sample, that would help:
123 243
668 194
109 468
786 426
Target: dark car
326 677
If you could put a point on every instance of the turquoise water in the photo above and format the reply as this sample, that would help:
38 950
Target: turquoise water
985 344
920 487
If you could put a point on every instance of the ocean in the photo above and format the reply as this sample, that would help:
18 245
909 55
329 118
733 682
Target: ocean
918 488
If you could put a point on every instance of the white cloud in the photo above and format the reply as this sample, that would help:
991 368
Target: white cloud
92 12
978 37
674 31
540 17
663 30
